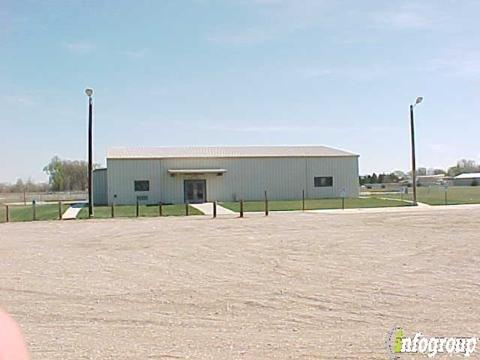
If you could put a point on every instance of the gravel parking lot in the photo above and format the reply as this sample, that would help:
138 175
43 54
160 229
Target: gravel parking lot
287 286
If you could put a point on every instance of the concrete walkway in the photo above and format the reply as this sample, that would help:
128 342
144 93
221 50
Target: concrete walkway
393 209
72 212
207 209
399 209
420 204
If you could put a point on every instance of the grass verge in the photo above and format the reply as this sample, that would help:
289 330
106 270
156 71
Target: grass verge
456 195
103 212
25 213
313 204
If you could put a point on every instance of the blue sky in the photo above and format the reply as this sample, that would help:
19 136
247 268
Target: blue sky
234 72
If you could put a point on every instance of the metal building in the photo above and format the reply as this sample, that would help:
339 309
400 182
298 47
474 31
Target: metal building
203 174
467 179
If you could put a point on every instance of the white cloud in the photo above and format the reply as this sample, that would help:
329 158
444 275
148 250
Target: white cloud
403 19
457 62
242 37
25 100
135 54
313 73
412 15
277 18
292 127
80 47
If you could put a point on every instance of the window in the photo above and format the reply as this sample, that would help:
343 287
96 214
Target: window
323 181
142 185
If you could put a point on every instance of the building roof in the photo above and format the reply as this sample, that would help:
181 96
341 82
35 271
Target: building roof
436 176
224 152
468 176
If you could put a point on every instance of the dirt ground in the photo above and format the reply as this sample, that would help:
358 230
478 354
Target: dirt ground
289 286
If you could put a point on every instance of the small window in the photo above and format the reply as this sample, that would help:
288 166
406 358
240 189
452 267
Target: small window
142 185
323 181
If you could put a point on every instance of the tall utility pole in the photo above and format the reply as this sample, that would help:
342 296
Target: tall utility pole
414 161
89 93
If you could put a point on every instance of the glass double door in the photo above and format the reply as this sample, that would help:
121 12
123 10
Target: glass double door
195 191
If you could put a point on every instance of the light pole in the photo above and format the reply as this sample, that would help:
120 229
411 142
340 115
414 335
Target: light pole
89 93
414 164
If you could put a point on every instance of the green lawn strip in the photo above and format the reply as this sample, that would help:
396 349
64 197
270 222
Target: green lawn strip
352 203
25 213
456 195
256 206
374 202
2 213
312 204
144 211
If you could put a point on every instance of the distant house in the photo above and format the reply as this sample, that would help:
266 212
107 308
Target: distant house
468 179
427 180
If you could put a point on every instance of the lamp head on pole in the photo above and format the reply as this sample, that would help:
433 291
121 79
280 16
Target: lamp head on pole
89 92
418 100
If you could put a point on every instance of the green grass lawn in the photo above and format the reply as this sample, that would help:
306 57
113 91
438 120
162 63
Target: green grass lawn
313 204
25 213
435 195
130 211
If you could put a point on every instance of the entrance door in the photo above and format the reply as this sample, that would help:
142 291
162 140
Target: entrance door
195 191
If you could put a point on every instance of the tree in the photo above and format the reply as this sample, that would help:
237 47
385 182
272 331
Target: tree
67 175
421 171
20 186
463 166
382 178
400 174
56 177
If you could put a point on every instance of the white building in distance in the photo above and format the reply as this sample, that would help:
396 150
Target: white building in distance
467 179
227 173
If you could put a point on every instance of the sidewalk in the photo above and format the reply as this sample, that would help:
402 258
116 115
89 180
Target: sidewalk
72 212
399 209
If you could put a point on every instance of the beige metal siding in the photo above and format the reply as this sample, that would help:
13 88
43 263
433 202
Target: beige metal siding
99 187
344 172
123 173
246 178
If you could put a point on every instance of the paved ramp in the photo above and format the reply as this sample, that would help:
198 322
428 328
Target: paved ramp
207 209
72 212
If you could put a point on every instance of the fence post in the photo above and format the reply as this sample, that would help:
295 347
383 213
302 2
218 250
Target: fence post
113 210
34 211
214 209
7 215
186 208
303 200
266 204
59 210
241 208
343 203
160 209
137 209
